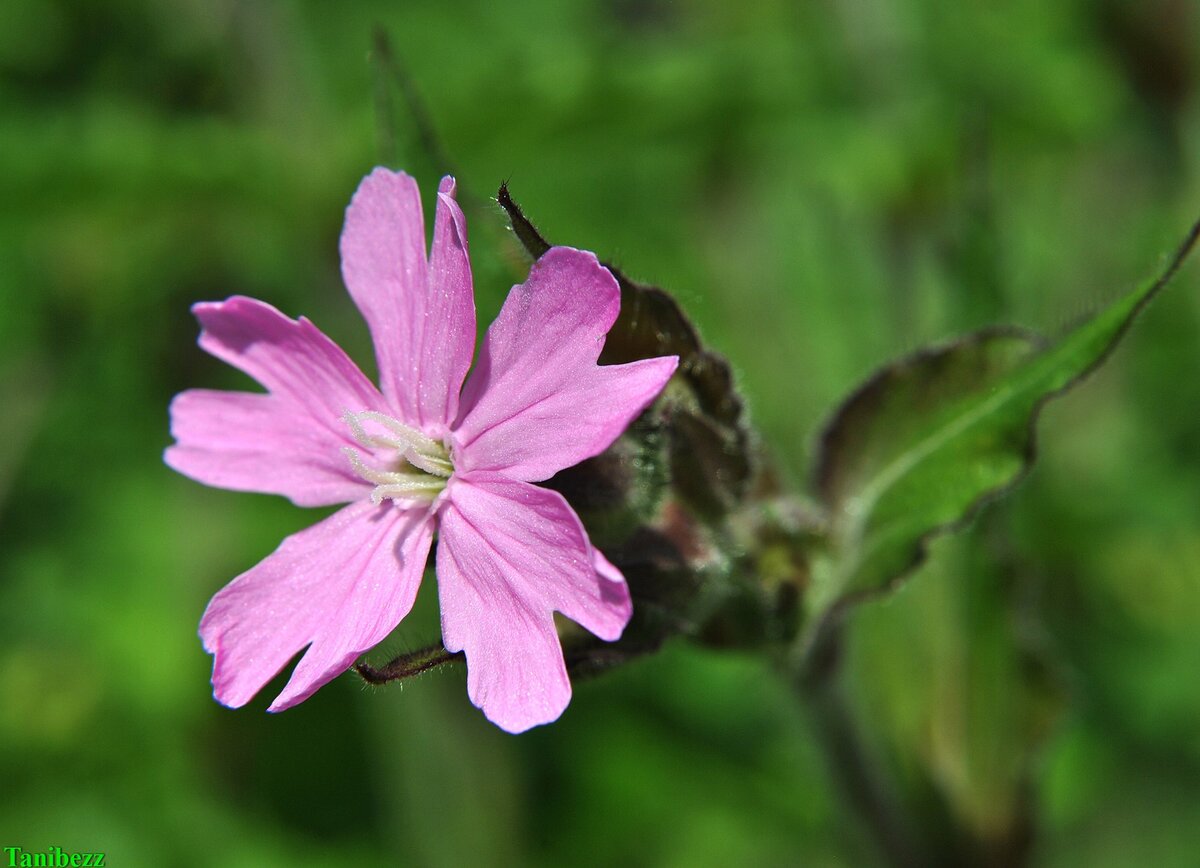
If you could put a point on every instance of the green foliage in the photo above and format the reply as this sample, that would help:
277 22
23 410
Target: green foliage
928 439
821 186
971 703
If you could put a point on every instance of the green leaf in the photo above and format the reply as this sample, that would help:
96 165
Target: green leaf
967 709
927 440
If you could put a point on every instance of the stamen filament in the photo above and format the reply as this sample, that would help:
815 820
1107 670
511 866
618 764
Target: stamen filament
430 464
406 438
427 490
427 459
382 477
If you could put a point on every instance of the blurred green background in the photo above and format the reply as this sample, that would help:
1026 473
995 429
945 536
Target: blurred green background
824 186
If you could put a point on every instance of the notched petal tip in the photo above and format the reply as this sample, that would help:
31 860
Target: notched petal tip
229 688
226 689
333 591
302 685
533 693
501 614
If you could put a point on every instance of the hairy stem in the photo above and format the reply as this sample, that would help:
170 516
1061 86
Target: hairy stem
407 665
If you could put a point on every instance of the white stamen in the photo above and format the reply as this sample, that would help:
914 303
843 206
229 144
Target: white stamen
427 490
416 448
406 438
431 464
427 458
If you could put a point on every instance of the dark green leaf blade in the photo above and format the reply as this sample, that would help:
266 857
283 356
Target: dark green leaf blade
930 438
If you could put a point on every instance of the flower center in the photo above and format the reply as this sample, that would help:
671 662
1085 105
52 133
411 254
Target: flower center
416 467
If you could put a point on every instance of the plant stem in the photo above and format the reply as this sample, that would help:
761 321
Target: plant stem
855 774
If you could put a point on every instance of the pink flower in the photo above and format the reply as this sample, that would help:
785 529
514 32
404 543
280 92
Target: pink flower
422 455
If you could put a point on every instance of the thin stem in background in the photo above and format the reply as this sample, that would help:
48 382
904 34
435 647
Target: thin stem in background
859 779
389 69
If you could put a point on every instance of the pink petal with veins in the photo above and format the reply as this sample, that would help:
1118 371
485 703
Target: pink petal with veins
448 342
293 359
338 587
285 442
262 443
537 401
510 555
421 313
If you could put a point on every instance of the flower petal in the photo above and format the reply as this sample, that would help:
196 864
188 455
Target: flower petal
536 401
339 587
449 338
385 270
261 443
612 586
288 442
293 359
510 554
421 314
